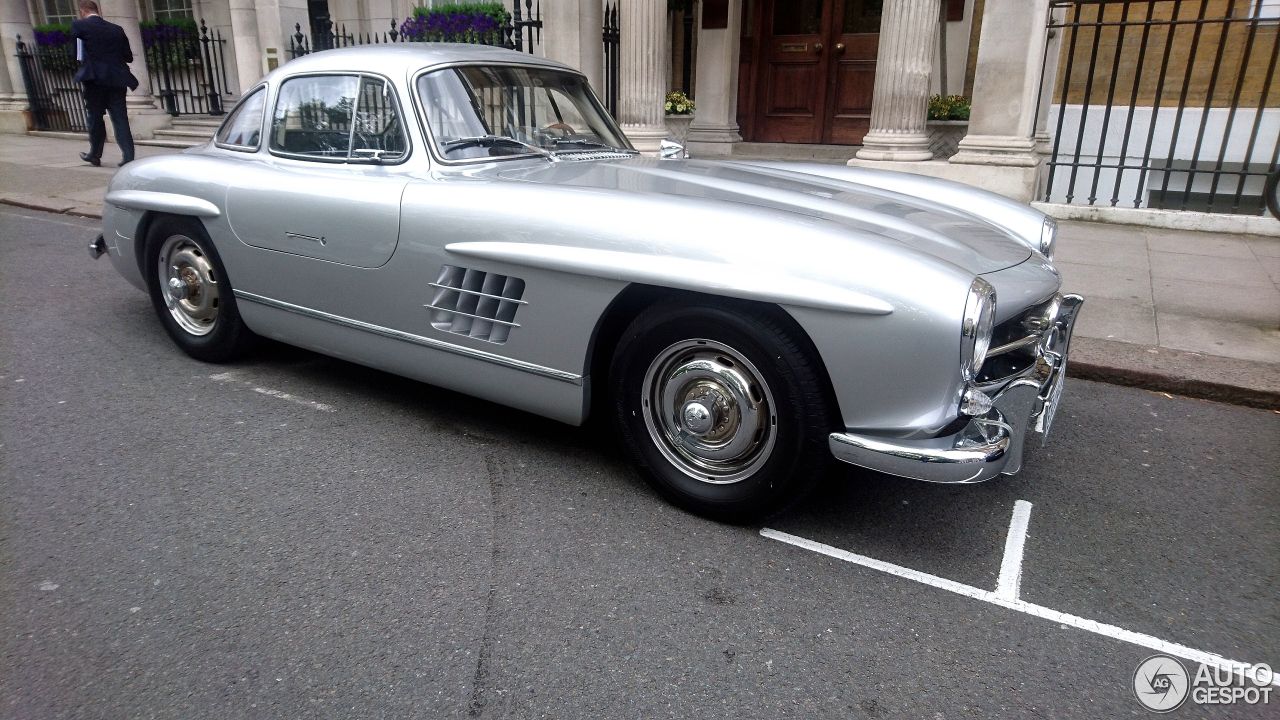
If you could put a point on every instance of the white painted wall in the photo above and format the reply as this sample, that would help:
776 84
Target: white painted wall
1234 147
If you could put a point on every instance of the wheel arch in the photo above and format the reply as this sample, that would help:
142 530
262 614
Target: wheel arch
142 235
638 297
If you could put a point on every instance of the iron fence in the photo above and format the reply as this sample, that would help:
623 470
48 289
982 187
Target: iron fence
521 30
1164 104
612 37
187 70
48 73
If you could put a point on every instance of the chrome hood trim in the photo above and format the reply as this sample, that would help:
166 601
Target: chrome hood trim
959 238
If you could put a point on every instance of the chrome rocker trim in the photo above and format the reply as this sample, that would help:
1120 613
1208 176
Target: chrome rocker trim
554 374
990 445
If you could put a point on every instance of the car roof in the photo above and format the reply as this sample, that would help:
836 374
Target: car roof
399 59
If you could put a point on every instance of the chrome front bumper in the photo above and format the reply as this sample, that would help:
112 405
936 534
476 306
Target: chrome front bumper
989 445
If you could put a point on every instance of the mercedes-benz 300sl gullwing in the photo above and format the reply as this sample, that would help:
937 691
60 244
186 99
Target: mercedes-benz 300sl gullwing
473 218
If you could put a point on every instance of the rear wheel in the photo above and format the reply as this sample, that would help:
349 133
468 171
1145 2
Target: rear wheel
723 408
190 292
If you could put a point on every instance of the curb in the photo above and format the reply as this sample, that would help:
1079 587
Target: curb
62 208
1206 377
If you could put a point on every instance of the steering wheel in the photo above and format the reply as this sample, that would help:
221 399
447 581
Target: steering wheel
564 130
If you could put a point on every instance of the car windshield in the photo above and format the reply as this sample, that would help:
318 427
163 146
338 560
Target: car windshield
500 111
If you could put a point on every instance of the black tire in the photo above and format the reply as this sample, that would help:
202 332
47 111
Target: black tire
205 323
652 364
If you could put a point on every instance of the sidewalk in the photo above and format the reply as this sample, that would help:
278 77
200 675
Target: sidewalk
1183 312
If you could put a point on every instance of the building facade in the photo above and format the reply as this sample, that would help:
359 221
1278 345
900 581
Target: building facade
837 79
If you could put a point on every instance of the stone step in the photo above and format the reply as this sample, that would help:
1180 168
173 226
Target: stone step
175 143
194 123
183 132
793 151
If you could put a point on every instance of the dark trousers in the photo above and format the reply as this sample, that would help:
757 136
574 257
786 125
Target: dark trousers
99 99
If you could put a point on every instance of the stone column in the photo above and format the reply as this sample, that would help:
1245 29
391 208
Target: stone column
250 65
1047 82
904 63
15 20
643 77
572 35
125 14
1006 87
715 121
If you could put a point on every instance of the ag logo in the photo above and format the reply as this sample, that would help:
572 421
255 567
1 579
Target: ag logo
1161 683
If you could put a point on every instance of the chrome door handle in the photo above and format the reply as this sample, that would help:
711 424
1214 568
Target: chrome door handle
300 236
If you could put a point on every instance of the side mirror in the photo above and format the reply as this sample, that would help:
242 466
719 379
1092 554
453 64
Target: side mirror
669 150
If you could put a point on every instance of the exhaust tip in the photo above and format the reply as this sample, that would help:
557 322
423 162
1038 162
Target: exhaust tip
97 248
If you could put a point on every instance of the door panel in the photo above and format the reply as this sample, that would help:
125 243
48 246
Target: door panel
816 71
793 71
855 43
340 213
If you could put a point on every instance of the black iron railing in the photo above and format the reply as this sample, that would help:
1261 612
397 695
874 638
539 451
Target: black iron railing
1167 104
188 71
612 37
522 30
48 73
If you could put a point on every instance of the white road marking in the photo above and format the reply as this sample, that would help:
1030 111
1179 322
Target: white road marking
231 377
1009 584
1093 626
295 399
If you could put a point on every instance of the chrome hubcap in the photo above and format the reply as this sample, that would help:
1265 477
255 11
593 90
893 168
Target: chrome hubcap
190 285
708 411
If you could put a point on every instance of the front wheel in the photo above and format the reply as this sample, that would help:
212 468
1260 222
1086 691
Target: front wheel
723 407
190 292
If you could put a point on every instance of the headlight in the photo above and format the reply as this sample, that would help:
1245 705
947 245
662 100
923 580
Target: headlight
976 329
1048 237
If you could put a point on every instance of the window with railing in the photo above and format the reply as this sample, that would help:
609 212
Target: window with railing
59 11
170 9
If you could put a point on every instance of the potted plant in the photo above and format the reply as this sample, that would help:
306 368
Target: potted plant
171 43
948 122
479 23
55 48
679 109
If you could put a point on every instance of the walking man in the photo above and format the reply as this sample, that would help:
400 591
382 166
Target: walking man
104 54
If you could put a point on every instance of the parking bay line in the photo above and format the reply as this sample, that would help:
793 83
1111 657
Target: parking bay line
1013 603
232 377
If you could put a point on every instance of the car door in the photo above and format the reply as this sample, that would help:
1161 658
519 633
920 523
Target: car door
332 185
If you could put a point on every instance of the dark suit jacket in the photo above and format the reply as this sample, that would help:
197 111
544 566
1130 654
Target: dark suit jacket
106 53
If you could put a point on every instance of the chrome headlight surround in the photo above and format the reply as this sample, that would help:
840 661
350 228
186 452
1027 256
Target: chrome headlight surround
976 327
1048 238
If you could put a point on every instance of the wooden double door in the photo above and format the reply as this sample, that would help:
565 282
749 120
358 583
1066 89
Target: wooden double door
814 70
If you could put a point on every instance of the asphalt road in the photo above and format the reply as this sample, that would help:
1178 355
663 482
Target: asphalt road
296 537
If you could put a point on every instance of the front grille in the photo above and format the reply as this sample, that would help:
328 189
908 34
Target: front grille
477 304
1014 341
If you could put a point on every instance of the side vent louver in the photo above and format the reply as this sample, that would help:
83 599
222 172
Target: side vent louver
477 304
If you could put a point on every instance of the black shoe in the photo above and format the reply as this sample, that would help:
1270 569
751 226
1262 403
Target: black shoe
96 162
125 162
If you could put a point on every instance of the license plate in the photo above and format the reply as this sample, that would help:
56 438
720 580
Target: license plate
1045 421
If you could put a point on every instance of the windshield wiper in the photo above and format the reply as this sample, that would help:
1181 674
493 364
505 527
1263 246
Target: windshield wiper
488 141
592 143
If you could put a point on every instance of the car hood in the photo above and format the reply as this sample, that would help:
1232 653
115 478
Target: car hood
951 235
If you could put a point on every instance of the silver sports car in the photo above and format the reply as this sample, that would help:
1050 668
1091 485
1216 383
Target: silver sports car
472 217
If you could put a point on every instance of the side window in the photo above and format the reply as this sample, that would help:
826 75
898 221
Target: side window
313 116
338 117
379 131
243 127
